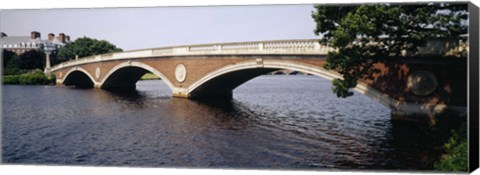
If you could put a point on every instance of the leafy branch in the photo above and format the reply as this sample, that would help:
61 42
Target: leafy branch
367 34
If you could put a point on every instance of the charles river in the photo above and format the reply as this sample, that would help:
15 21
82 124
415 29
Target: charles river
272 122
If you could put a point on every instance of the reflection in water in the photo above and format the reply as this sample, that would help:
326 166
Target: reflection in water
272 122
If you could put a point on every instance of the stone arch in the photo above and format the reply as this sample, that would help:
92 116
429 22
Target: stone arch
200 87
78 77
136 69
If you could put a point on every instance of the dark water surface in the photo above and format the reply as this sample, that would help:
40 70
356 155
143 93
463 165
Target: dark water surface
284 122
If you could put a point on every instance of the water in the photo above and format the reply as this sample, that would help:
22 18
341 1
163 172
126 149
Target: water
279 122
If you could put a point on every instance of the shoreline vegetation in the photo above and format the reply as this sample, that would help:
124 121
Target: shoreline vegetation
36 77
455 149
150 76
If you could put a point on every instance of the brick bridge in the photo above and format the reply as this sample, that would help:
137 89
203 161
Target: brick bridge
423 83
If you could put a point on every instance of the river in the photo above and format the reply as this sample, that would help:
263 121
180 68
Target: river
274 122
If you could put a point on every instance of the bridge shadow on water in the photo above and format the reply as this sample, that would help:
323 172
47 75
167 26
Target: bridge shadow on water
132 98
228 114
127 94
226 108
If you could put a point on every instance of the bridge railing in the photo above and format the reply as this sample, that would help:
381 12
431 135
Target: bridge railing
310 46
302 47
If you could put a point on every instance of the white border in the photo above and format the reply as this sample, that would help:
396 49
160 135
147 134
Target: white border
49 4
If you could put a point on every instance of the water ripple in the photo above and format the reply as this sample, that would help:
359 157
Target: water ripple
272 122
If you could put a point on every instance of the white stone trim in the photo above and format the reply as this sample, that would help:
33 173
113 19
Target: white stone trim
283 47
362 88
279 64
140 65
279 47
221 71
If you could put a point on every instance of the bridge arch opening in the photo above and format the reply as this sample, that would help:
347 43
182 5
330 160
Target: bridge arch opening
126 75
124 78
79 78
222 86
220 83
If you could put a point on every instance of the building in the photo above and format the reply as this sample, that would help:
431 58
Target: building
21 44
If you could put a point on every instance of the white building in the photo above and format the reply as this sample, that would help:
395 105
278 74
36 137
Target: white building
21 44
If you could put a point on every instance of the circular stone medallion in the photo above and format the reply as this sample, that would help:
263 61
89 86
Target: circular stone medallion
97 72
180 73
422 83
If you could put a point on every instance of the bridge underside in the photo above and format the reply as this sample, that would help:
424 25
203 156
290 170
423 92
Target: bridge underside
79 80
222 86
124 78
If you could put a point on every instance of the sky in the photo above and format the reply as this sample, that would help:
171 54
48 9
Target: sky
149 27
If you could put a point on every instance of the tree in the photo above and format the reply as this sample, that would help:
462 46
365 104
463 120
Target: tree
32 59
10 61
84 47
393 28
8 57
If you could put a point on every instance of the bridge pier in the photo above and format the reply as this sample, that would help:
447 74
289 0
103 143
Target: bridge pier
97 85
183 93
180 93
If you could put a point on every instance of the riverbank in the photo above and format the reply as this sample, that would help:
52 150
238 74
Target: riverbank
32 78
150 76
39 78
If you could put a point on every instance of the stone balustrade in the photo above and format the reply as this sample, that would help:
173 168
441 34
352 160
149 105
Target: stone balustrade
300 47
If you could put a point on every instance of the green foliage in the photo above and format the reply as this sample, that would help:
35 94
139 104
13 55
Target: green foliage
32 59
450 131
10 61
456 151
150 76
9 58
11 70
36 77
84 47
11 79
367 34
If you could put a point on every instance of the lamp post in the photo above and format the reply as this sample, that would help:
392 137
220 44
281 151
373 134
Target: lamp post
49 47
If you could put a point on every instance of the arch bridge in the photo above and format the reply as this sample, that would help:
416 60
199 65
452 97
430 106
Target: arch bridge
409 86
